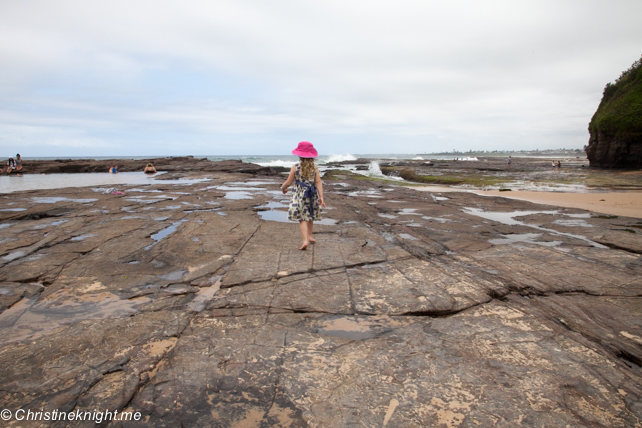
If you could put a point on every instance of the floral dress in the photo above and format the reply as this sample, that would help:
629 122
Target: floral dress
305 199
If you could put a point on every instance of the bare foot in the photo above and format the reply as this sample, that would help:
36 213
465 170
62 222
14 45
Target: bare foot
312 240
304 246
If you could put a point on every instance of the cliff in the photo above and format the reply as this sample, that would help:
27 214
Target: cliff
616 126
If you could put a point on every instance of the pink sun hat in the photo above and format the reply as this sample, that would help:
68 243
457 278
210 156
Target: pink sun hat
305 149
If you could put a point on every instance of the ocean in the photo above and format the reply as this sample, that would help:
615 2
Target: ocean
280 160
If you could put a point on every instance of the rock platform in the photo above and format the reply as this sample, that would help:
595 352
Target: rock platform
191 304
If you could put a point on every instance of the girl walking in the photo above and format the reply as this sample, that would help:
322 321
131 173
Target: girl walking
307 198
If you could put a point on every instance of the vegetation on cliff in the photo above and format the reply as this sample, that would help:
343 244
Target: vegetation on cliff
620 111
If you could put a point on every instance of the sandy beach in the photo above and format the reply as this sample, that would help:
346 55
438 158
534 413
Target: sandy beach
628 204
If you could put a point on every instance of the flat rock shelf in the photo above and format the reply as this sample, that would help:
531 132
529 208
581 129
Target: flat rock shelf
182 302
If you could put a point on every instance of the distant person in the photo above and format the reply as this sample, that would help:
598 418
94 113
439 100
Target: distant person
553 165
509 161
149 169
11 165
113 170
307 198
559 166
18 162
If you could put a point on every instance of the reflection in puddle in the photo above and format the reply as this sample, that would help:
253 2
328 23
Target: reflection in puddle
366 193
53 200
504 218
274 204
174 276
573 223
58 181
14 209
14 255
509 219
274 215
235 188
530 238
282 216
437 219
388 216
202 211
251 183
5 225
238 195
354 328
31 319
408 237
159 236
82 237
409 211
145 190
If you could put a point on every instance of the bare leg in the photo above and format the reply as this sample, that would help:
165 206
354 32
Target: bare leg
310 226
303 227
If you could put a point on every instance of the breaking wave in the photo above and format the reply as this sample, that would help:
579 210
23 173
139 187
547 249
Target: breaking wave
340 158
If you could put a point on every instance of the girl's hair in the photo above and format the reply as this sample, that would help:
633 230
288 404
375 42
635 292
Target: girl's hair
307 168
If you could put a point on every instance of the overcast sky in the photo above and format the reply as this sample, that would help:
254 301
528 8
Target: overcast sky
135 78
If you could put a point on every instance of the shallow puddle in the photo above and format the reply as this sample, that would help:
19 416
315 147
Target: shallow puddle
355 328
408 237
204 295
174 276
437 219
15 255
251 183
530 238
388 216
235 188
32 318
573 223
54 199
159 236
82 237
238 195
282 216
408 211
366 193
502 217
509 219
274 204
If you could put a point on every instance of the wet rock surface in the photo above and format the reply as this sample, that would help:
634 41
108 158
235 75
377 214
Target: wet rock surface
180 301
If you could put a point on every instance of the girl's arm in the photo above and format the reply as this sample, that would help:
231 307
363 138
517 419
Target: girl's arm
289 181
319 185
